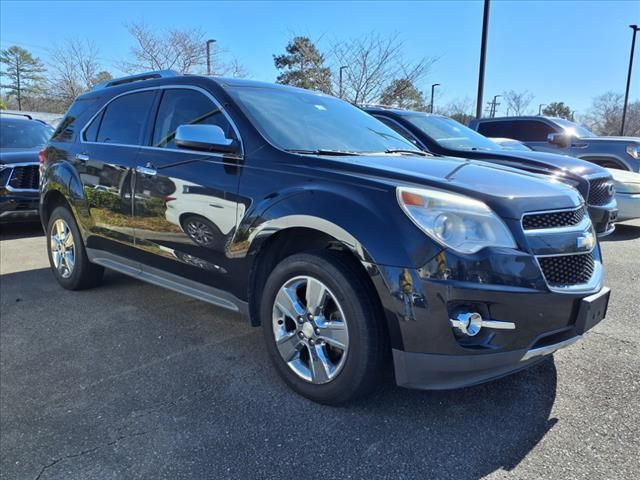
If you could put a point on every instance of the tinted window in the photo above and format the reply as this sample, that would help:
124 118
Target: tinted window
91 133
523 130
186 107
23 134
398 128
300 120
124 119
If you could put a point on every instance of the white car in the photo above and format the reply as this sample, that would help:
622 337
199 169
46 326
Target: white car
627 193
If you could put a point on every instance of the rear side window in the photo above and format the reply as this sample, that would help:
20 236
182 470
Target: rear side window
186 107
124 119
523 130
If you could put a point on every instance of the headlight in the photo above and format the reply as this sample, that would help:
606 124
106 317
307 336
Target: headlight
455 221
634 151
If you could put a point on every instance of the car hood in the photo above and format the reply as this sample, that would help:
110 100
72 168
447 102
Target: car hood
542 161
509 192
612 139
626 182
18 156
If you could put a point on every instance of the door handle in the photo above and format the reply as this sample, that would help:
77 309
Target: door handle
82 157
145 170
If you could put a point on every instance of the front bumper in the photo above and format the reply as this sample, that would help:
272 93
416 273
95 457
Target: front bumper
18 206
603 218
503 286
628 206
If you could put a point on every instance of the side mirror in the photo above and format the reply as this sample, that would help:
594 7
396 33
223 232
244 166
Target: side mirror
561 140
208 138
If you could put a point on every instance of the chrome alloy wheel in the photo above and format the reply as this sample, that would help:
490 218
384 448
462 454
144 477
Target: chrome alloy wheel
63 250
310 329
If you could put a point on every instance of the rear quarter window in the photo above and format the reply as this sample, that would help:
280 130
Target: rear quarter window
73 121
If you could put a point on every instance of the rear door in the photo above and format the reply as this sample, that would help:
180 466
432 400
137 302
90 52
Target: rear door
186 201
106 161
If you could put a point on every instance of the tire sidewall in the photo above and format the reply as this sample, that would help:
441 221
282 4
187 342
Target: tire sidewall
361 336
80 257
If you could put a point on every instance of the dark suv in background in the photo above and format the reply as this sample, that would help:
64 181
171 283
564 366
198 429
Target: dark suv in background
21 138
348 247
557 135
445 136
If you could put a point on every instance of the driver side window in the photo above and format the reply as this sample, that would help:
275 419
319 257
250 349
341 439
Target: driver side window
186 107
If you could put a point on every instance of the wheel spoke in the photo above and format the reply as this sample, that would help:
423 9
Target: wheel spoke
68 241
321 368
69 261
334 333
56 258
316 295
288 303
289 346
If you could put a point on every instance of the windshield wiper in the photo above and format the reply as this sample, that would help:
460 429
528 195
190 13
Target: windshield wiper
321 151
407 150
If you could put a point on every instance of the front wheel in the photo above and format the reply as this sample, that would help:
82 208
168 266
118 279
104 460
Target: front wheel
323 327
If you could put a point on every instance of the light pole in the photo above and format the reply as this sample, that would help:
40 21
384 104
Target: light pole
494 104
209 43
626 93
433 87
483 51
343 67
540 108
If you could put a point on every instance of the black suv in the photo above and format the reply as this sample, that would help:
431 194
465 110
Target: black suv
444 136
325 226
21 138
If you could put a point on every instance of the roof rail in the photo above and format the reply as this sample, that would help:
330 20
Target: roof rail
2 112
136 78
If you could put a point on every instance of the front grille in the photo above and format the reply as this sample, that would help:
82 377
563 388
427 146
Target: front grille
568 269
25 177
600 191
565 218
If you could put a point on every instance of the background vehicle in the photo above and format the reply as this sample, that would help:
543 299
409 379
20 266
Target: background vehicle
444 136
557 135
627 194
348 248
21 138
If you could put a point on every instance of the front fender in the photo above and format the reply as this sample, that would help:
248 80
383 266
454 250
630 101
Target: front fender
371 224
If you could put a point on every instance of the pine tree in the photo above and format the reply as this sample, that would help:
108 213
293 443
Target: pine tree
303 66
23 71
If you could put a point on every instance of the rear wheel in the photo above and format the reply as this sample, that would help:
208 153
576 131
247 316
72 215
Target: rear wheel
322 327
67 255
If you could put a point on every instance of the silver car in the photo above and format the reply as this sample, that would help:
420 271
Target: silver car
557 135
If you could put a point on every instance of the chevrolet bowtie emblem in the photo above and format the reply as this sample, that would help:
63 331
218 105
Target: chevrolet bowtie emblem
586 241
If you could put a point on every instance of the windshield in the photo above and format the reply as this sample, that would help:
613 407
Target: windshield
508 144
23 135
573 128
307 122
448 133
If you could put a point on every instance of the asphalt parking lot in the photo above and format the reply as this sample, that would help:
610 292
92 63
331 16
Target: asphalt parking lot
133 381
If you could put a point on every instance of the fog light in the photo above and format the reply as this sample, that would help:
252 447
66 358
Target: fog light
470 323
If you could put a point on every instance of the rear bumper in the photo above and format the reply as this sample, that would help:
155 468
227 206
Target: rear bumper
16 207
628 206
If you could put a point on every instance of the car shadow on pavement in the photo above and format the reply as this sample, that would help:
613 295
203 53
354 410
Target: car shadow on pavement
624 232
185 390
10 231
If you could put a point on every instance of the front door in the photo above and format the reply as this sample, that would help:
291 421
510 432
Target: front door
186 202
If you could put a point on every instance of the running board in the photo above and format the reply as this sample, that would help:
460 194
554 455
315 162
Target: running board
170 281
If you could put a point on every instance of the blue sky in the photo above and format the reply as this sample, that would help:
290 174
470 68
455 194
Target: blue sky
562 50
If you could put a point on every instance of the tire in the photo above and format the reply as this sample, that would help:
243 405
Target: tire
203 232
78 274
350 304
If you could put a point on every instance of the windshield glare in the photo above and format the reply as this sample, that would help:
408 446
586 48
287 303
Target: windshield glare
448 133
573 128
306 121
23 135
